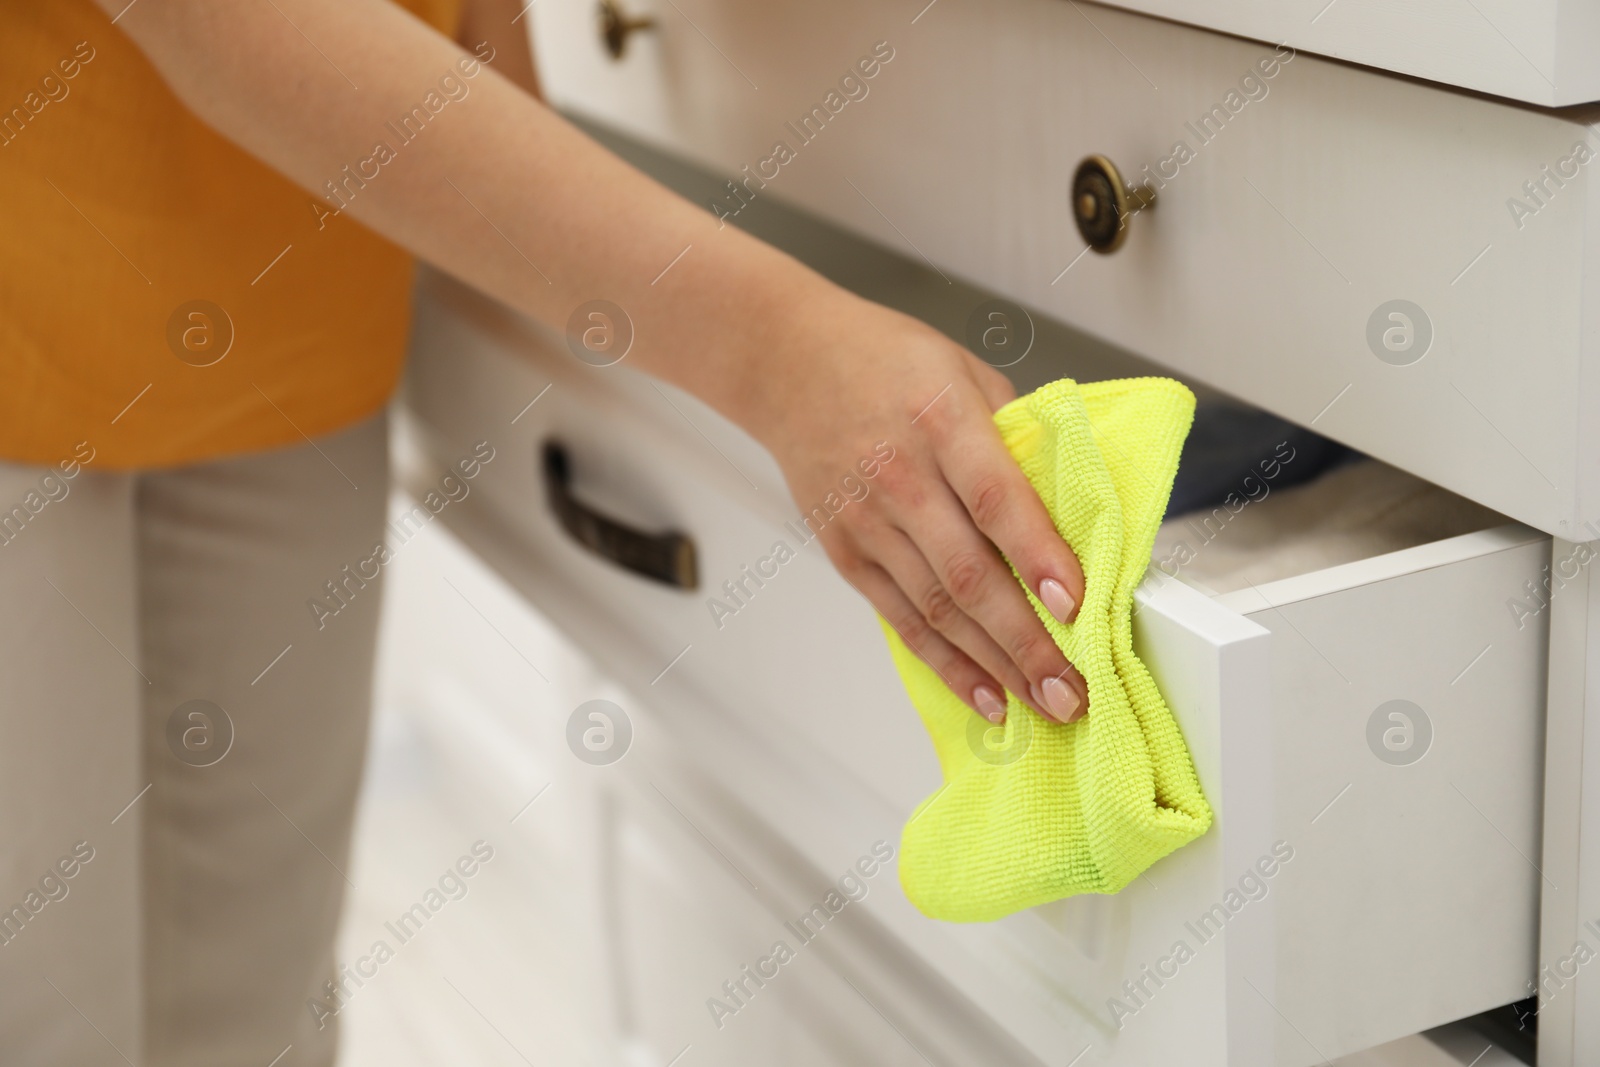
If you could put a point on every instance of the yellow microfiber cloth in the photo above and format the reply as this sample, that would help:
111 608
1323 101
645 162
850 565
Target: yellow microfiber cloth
1035 811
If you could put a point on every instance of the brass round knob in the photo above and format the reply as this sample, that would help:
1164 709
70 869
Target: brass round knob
616 27
1103 204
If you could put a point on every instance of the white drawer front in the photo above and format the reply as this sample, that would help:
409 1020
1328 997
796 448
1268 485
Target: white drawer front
1541 51
1294 219
1538 51
1407 752
698 962
1405 903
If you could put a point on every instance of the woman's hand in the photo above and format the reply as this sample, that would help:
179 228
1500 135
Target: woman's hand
924 544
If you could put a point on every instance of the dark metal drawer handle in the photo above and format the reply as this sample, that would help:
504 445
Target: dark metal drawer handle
1103 203
665 557
616 26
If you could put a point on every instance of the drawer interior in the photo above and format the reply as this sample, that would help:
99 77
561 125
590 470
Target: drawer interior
1256 533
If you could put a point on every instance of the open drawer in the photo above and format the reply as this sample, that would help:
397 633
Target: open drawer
1369 735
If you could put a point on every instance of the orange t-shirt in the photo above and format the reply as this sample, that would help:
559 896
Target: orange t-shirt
165 296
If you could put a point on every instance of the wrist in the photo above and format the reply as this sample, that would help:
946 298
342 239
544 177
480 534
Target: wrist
782 325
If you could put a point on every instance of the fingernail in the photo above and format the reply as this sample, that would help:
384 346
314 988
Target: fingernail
989 704
1060 699
1039 704
1056 599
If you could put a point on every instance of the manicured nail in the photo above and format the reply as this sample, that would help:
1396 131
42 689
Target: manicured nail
1038 702
1060 699
989 704
1056 599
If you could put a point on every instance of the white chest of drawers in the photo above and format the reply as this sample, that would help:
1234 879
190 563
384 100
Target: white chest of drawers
790 708
1310 201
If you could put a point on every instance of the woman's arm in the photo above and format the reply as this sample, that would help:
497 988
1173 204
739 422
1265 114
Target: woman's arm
500 24
502 193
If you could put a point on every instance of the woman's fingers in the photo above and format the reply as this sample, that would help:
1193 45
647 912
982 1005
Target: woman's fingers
958 670
917 581
985 501
1007 510
978 582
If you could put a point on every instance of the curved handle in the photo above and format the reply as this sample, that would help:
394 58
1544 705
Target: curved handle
1103 204
669 557
616 27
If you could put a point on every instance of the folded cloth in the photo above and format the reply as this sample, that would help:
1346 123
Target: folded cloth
1035 811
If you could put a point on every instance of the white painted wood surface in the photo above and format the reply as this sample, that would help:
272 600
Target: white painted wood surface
1258 271
1429 626
466 732
1539 51
792 708
1569 991
1381 190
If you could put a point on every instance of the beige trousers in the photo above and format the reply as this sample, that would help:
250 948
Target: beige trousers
180 751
